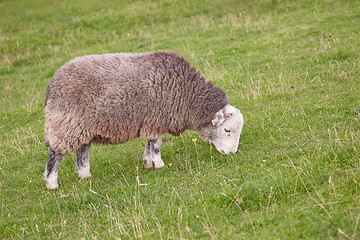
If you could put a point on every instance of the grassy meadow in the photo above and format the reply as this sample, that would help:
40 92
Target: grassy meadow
291 67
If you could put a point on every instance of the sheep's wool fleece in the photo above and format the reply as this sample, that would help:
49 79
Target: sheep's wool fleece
112 98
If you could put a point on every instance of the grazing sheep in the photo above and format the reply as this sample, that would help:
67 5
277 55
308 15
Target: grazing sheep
112 98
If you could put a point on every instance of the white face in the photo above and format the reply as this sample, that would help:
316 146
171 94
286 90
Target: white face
225 130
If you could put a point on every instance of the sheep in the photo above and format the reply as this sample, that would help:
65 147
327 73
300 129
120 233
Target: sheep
113 98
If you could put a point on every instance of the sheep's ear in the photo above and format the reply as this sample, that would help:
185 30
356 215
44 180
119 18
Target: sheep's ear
219 118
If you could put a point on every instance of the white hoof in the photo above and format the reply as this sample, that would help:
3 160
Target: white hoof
84 172
160 165
51 182
155 163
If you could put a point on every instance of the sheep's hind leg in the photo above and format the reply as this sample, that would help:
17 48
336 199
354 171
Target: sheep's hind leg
83 161
51 170
152 155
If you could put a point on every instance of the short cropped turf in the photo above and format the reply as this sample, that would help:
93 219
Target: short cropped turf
292 67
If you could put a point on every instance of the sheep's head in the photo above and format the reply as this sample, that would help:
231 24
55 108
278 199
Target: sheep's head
224 130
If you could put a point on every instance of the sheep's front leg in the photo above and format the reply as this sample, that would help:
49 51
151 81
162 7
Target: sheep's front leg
83 161
146 156
51 169
152 155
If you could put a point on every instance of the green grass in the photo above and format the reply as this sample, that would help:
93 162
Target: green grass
292 67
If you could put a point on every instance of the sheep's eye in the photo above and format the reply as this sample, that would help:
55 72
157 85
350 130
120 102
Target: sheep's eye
227 130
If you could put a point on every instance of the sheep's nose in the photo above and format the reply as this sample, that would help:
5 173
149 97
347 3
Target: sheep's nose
233 151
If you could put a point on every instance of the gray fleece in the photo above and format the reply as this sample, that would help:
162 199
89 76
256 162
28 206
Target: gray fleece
112 98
